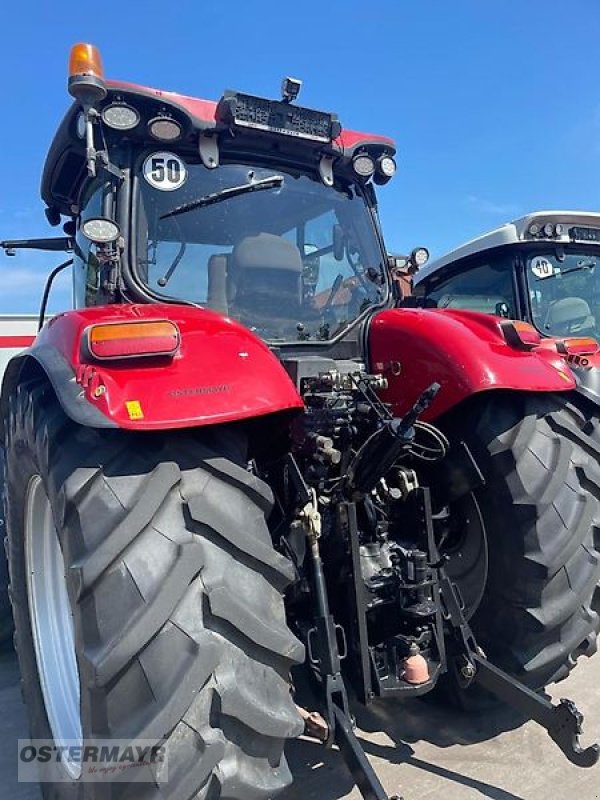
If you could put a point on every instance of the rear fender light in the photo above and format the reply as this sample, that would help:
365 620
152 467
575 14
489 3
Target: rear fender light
520 335
117 340
577 346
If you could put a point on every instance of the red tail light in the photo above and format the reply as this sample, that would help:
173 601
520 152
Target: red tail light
133 339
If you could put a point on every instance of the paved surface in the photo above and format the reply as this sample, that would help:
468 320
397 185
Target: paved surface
418 751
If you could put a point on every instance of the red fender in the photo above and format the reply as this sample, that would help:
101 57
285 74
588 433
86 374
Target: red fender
464 351
221 372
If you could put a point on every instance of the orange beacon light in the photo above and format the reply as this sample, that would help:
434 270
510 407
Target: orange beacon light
86 74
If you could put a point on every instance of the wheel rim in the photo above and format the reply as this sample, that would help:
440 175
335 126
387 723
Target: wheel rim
52 622
467 566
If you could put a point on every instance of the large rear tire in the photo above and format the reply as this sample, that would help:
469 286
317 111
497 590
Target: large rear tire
538 555
175 592
6 620
589 412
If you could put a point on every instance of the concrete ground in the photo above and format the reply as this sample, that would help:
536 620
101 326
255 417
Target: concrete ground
418 751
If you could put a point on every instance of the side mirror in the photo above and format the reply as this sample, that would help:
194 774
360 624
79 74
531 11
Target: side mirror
396 262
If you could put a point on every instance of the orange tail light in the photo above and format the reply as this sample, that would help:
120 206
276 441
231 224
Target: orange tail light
577 346
520 334
133 339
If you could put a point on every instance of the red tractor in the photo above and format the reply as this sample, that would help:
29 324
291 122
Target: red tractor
235 458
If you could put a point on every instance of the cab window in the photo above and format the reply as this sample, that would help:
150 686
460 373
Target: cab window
485 286
86 269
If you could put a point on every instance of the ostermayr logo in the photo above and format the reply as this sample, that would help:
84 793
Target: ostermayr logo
95 760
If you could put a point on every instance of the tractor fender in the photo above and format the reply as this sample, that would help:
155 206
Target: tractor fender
588 382
464 351
221 372
62 378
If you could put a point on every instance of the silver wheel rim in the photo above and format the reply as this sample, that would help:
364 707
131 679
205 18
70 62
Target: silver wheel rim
52 623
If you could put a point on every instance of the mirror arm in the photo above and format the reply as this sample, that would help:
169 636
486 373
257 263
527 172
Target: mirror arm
60 244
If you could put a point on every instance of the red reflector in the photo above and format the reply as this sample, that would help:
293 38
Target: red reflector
133 339
520 334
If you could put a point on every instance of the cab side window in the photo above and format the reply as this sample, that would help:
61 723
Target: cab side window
479 286
86 269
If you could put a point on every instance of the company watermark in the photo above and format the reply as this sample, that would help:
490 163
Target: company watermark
92 761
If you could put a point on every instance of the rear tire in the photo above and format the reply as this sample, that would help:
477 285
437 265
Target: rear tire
6 620
176 596
540 509
589 412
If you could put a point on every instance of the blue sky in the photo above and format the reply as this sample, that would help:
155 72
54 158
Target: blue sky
494 104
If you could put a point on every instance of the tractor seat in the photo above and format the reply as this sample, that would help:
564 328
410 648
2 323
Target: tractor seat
265 276
569 315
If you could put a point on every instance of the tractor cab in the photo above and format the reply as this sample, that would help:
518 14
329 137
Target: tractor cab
543 268
193 516
258 209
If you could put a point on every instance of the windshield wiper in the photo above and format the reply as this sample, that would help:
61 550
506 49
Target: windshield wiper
588 265
273 182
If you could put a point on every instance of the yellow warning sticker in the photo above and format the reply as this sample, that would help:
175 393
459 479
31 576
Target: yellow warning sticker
134 409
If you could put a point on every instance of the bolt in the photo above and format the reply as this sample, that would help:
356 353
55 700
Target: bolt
99 390
468 671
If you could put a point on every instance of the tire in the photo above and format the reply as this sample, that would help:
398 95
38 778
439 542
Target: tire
6 620
176 595
540 515
590 425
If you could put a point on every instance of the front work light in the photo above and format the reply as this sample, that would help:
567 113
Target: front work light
133 339
363 165
86 75
100 230
121 117
419 256
387 166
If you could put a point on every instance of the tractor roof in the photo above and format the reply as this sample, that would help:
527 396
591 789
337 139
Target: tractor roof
513 233
65 167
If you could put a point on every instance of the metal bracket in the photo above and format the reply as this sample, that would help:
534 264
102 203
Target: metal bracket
326 170
208 147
